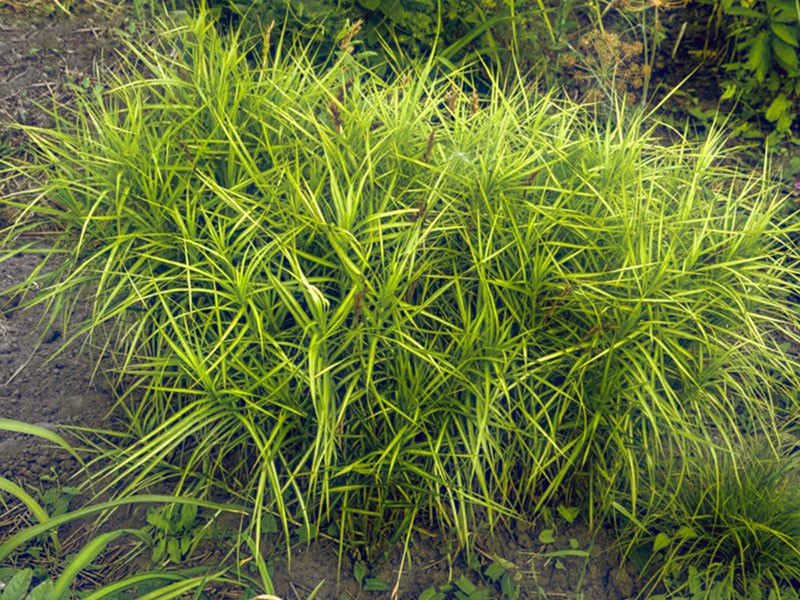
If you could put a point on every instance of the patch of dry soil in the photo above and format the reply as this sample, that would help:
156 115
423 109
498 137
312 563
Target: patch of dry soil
41 383
39 59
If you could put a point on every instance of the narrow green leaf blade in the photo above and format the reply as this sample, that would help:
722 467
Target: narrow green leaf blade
42 432
36 509
84 558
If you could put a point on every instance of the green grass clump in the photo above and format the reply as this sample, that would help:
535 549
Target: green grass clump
345 299
730 519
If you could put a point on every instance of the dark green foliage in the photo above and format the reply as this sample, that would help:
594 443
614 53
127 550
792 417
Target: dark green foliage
458 29
763 67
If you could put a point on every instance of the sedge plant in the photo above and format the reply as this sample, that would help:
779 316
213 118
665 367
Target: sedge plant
379 302
728 518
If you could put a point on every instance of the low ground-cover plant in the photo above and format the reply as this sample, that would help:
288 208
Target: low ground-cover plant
730 519
342 299
58 567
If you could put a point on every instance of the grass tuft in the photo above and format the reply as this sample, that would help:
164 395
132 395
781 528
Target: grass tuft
344 299
730 520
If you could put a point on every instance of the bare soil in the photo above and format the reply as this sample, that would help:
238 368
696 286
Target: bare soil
41 382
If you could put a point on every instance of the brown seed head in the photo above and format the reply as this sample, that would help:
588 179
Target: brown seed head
346 45
267 34
429 145
347 85
451 99
336 115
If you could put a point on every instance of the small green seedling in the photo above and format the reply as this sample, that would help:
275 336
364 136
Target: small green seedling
568 513
499 573
174 533
368 584
19 588
57 500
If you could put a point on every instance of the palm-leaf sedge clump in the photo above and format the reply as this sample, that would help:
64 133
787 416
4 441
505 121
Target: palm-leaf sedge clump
342 299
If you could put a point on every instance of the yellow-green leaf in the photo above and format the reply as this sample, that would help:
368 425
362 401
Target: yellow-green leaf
786 32
758 59
662 541
730 91
173 550
786 55
784 123
783 11
494 571
359 571
777 107
44 591
547 536
568 513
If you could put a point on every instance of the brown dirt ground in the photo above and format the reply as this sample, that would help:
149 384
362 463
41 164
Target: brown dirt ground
43 383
